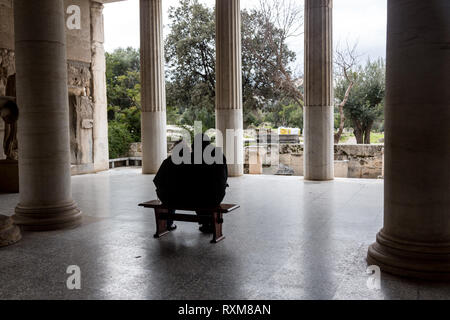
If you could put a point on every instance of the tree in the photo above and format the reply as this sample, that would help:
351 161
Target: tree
366 101
124 100
119 139
270 26
345 62
123 78
190 55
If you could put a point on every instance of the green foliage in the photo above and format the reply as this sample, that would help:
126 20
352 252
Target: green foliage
123 78
124 100
260 61
190 56
119 139
254 118
377 137
173 115
366 100
291 115
202 114
130 118
285 113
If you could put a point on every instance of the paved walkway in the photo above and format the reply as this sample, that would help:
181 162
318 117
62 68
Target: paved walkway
290 239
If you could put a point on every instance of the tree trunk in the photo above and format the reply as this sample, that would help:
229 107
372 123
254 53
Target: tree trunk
337 136
358 132
367 134
359 136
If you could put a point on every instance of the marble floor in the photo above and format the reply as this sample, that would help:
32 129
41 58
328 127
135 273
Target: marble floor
291 239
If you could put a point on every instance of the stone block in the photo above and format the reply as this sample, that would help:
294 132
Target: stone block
9 233
341 168
297 163
9 176
255 161
285 159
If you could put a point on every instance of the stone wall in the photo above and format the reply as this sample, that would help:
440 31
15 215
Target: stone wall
136 149
351 160
365 160
86 84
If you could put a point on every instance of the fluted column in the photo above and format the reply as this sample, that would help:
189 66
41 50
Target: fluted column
319 110
229 84
44 151
153 95
415 238
100 130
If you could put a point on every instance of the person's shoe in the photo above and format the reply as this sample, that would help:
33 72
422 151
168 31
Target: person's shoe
172 227
206 228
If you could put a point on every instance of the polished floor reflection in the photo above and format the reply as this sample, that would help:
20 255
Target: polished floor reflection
290 239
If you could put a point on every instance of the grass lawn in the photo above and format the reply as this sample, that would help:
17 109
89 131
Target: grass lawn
375 137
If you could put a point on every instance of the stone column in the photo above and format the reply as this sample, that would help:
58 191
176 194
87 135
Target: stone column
100 130
229 84
415 238
44 152
153 94
319 110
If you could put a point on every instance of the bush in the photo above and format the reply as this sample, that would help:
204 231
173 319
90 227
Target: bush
119 140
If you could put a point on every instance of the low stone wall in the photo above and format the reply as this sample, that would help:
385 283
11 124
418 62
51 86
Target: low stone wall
364 160
350 160
136 149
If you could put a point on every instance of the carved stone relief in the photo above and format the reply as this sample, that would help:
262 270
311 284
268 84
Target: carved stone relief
79 81
81 124
79 78
7 68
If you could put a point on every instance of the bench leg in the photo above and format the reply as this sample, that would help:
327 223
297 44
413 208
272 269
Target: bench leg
161 224
217 223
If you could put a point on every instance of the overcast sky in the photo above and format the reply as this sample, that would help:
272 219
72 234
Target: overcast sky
353 20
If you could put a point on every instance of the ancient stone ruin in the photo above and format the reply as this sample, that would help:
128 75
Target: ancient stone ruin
85 81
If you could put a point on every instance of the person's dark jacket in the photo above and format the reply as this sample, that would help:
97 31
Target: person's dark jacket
192 185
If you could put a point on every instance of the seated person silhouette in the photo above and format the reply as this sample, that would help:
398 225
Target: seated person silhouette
193 179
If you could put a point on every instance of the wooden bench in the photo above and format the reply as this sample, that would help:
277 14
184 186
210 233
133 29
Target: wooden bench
215 214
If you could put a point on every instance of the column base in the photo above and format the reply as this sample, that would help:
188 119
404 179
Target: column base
9 233
48 218
235 170
410 259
